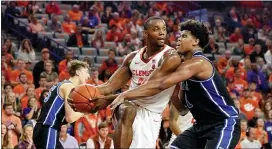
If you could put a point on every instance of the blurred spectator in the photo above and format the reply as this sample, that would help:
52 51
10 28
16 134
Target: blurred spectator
109 66
50 74
66 140
30 93
21 88
254 93
75 14
136 21
234 66
14 76
114 34
233 20
85 5
116 21
268 54
6 137
262 34
5 69
135 41
94 80
106 17
11 98
257 114
268 126
64 75
212 47
52 8
101 140
28 11
7 55
26 141
22 3
239 83
11 46
39 67
126 46
99 6
256 53
241 115
77 39
255 75
12 10
249 31
249 48
86 127
7 89
248 105
35 26
88 61
12 122
68 26
42 83
250 141
234 37
26 51
244 127
141 6
92 19
261 134
255 18
220 35
223 62
43 96
68 57
55 26
98 41
267 106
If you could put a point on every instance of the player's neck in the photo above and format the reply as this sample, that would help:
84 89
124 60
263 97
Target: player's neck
75 80
189 54
150 50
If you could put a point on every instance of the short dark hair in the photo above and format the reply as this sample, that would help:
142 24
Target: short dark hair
75 65
111 50
7 84
43 77
21 74
147 22
7 105
198 30
102 125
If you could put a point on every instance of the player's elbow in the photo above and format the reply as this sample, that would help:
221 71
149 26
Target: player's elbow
69 119
162 85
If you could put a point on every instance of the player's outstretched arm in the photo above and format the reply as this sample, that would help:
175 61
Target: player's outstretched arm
185 71
70 115
174 113
120 77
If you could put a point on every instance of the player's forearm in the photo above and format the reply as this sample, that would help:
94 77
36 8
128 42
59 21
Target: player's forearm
174 128
70 114
149 89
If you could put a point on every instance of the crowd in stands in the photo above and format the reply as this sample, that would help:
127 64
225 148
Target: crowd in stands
240 47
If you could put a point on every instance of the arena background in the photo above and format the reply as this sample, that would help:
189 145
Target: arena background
95 32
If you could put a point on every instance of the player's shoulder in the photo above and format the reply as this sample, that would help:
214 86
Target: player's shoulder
128 59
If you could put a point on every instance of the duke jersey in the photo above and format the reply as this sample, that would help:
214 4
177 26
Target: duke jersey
141 69
208 100
53 112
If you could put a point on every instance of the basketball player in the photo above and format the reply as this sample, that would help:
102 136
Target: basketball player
206 96
139 121
56 110
180 118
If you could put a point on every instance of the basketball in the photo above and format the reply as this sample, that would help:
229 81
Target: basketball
82 98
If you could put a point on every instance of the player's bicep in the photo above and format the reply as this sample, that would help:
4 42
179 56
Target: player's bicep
169 64
185 71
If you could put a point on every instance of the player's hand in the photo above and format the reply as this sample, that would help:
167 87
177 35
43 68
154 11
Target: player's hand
118 100
102 103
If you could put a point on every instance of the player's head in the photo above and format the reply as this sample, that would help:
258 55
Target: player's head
79 69
155 31
194 34
103 130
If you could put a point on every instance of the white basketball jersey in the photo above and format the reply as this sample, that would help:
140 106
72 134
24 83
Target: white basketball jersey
141 70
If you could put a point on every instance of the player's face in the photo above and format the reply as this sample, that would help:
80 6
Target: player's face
83 74
185 42
156 32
